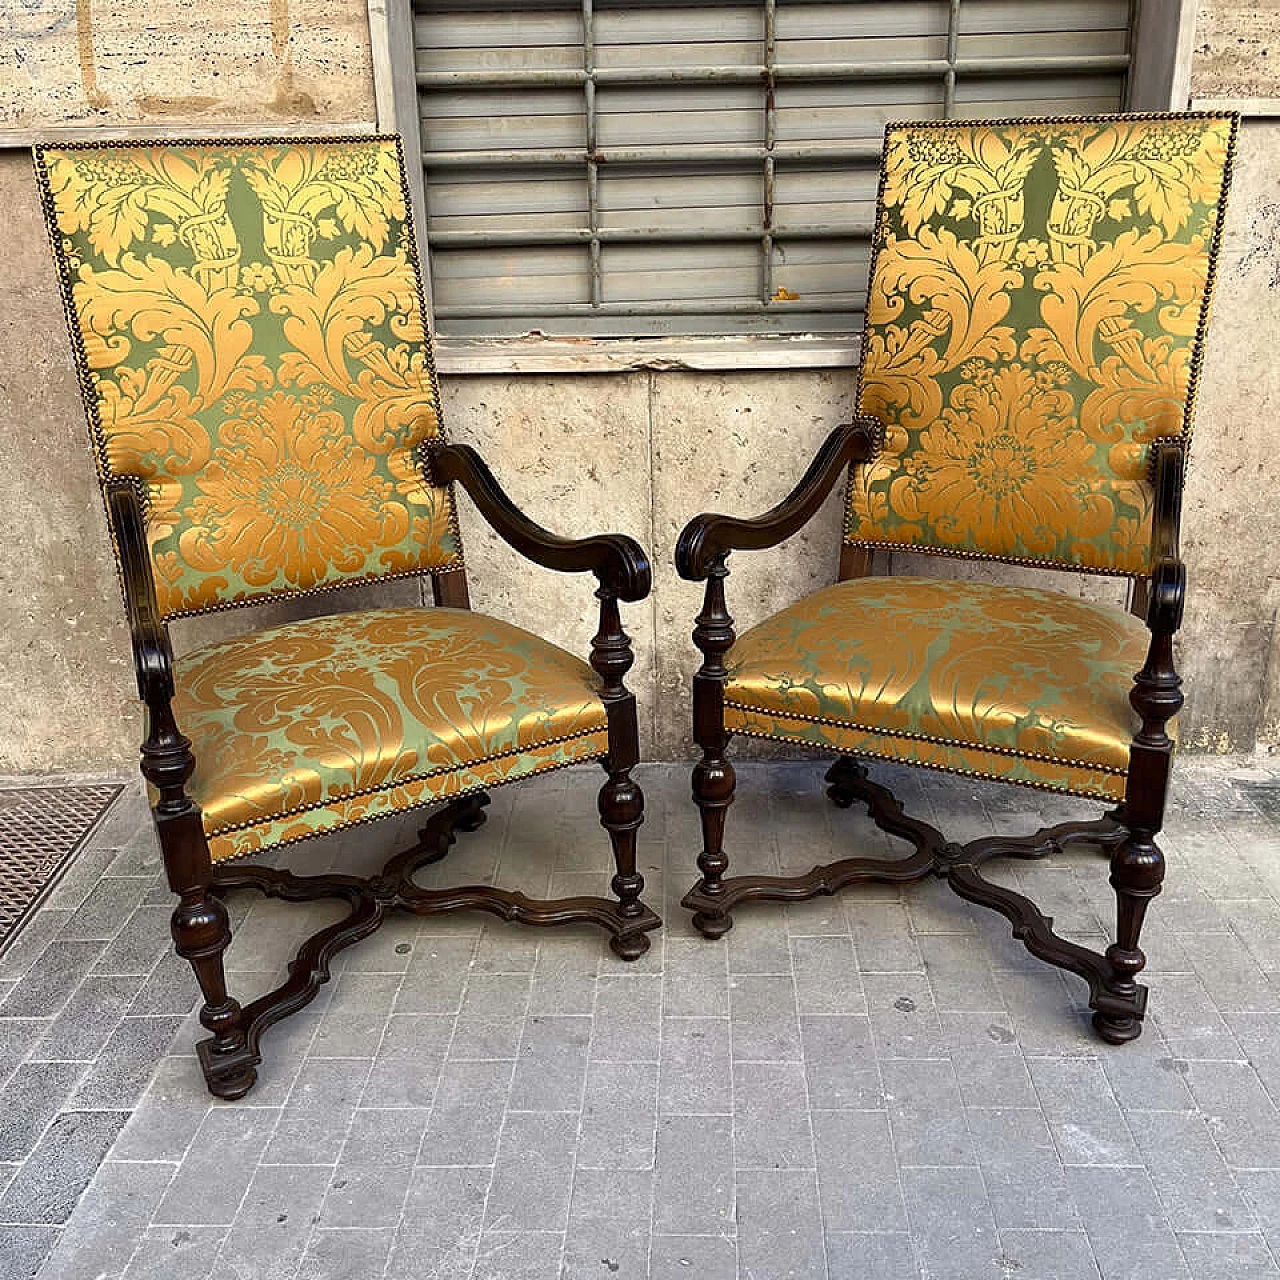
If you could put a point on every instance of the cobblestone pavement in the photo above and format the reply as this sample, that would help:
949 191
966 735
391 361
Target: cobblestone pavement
880 1085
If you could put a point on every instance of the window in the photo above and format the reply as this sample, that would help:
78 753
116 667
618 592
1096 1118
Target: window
612 169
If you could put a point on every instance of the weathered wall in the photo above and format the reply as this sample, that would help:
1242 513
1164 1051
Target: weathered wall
639 451
78 62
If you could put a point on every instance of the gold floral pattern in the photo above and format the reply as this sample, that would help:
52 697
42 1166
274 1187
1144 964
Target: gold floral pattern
1003 682
248 322
314 725
1034 319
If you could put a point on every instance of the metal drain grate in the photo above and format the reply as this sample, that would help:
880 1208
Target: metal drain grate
40 829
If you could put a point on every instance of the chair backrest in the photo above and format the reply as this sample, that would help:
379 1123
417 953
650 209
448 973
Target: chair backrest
248 325
1036 314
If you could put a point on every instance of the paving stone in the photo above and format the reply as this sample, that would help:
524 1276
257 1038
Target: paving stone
770 1120
826 976
904 1019
23 1250
112 1214
1125 1223
86 1022
1047 1255
466 1116
373 1173
628 1015
695 1077
346 1255
840 1066
619 1116
763 1018
757 943
175 1253
608 1232
988 1061
51 981
551 1064
170 987
533 1174
858 1178
1083 1115
564 977
216 1172
356 1015
120 1075
780 1224
1190 1177
105 909
519 1255
884 1255
1228 1256
314 1121
680 1257
951 1223
693 1194
274 1223
695 982
136 947
36 1092
166 1119
928 1122
1241 1116
47 1187
408 1061
1025 1181
436 976
440 1229
882 938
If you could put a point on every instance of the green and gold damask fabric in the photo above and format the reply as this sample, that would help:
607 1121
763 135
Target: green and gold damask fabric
319 724
1036 312
248 323
1002 682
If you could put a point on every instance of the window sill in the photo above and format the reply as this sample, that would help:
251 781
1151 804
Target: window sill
460 357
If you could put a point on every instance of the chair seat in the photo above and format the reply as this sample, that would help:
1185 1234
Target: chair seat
1002 682
315 725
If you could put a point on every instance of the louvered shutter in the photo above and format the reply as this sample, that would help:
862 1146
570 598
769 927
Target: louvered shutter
612 169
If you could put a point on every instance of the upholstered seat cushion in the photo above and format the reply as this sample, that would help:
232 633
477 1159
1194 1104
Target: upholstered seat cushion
319 724
1002 682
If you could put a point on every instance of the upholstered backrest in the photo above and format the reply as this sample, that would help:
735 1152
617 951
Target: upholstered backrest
248 324
1035 319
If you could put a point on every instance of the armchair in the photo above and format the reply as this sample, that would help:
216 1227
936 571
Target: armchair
1036 315
248 327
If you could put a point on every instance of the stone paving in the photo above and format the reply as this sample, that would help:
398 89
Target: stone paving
881 1085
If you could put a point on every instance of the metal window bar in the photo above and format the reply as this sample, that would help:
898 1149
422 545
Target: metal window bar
769 74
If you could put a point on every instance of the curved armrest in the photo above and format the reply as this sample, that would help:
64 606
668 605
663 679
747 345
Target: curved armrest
152 656
708 537
617 560
1168 573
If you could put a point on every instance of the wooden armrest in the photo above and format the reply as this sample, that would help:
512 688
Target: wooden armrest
1168 582
709 537
152 655
618 561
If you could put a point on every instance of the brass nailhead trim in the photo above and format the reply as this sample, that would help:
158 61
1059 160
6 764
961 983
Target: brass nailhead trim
403 782
941 768
925 737
1197 349
425 803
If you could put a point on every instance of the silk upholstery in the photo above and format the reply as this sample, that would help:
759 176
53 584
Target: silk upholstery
1036 312
315 725
248 322
1002 682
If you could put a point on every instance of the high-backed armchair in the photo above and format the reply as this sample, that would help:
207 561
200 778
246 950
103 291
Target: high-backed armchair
248 326
1035 322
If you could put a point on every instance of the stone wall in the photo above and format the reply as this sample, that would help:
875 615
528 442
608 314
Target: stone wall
638 451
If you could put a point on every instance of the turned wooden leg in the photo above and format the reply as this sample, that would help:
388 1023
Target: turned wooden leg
844 771
621 813
713 788
1137 872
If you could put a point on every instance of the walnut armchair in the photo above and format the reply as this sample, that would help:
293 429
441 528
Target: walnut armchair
248 325
1036 315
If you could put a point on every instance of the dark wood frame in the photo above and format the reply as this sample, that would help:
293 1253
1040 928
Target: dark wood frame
200 924
1127 832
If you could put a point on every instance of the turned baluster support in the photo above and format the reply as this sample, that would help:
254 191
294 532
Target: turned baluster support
200 925
621 802
713 776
